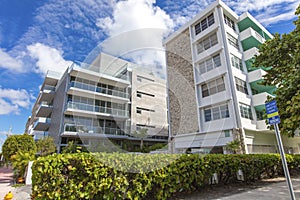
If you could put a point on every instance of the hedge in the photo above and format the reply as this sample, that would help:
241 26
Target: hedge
146 176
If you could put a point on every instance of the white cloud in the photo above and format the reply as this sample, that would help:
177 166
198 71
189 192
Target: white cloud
136 31
10 63
267 12
48 58
12 100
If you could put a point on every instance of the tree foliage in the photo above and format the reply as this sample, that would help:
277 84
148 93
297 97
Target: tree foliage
282 54
234 146
46 146
73 147
142 133
20 161
18 143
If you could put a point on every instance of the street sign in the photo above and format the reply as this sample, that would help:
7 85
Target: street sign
272 113
274 119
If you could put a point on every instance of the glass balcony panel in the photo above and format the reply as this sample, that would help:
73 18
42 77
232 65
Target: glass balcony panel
98 89
93 129
100 109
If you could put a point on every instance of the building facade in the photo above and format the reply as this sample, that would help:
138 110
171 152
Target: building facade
101 105
214 93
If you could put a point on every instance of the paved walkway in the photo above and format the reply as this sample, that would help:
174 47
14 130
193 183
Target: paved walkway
274 189
6 182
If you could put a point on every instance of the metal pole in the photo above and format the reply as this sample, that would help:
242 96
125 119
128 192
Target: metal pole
284 163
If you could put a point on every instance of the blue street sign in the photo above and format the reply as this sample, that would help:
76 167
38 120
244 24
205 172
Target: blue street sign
274 120
271 107
272 113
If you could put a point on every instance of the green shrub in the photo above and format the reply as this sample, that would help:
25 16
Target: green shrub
146 176
15 143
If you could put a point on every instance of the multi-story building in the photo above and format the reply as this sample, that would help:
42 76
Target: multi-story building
214 93
101 105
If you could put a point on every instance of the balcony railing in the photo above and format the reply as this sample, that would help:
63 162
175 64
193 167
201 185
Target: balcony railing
49 88
42 124
98 89
93 129
260 98
44 104
249 32
99 109
97 69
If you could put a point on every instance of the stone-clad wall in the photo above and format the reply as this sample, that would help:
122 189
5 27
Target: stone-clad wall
181 91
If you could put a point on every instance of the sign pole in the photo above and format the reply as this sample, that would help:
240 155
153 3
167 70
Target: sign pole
284 163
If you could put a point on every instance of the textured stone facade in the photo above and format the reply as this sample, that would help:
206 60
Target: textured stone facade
181 90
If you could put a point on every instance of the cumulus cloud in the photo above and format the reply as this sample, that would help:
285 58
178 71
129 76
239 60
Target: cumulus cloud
48 58
9 62
266 12
136 31
11 101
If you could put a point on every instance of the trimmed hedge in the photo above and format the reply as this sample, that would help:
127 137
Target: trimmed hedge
146 176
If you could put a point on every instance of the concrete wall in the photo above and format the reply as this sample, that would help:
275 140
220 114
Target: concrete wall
143 82
265 142
181 90
58 109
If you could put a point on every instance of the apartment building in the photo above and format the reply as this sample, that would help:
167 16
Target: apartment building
101 105
214 93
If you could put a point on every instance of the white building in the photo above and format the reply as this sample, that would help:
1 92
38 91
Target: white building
214 93
100 105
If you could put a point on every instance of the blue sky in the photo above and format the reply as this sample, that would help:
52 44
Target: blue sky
36 36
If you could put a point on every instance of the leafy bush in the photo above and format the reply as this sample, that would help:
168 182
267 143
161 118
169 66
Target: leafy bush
46 146
15 143
20 161
146 176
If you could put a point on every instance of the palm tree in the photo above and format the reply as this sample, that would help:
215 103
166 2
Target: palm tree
234 146
142 133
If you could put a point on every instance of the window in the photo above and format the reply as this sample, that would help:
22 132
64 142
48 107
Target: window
236 62
204 24
216 112
139 110
139 78
241 85
233 41
213 87
227 133
139 94
229 22
209 64
207 43
139 126
260 115
245 111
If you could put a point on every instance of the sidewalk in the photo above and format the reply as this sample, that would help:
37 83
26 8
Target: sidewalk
274 189
6 182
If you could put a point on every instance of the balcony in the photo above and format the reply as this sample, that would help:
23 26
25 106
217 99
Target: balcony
250 53
70 129
94 73
256 75
250 38
47 93
260 99
97 89
261 125
44 109
42 124
114 112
